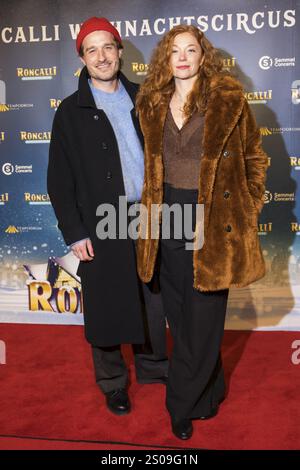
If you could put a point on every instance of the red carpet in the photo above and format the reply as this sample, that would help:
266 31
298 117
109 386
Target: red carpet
47 391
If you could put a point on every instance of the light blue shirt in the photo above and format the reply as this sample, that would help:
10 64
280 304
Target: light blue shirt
117 107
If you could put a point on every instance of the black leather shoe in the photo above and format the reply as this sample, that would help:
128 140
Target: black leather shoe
182 429
117 401
213 413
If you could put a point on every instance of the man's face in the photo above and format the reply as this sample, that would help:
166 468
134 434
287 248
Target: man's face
101 55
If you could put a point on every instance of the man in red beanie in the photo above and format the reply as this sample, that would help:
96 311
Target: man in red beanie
96 156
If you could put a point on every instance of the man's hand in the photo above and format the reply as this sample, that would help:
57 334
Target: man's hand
83 250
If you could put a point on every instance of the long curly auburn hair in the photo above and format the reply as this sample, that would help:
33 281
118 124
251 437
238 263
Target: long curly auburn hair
160 85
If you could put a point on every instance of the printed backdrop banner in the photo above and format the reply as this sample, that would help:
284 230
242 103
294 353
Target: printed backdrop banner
259 42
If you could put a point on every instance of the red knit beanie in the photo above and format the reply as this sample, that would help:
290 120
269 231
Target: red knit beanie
96 24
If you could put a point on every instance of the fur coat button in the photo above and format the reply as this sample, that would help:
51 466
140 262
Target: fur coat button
226 153
228 228
226 194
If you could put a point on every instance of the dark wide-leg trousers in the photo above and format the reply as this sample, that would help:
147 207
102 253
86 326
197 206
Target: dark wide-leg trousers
196 320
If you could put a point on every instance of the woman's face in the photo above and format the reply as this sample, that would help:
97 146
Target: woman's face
186 56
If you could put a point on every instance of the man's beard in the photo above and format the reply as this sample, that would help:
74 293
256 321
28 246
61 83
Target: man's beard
107 78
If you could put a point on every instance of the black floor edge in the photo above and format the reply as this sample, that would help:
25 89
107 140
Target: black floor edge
50 439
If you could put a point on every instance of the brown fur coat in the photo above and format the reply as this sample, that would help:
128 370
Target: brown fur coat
233 161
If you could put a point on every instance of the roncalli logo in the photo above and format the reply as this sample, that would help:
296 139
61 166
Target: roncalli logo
265 228
54 103
48 298
57 290
44 73
37 199
35 137
295 227
3 199
295 92
258 97
229 62
295 162
139 68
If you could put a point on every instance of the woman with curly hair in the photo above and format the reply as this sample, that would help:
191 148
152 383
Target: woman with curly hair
202 146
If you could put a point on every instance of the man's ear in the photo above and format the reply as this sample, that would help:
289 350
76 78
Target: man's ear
120 53
82 60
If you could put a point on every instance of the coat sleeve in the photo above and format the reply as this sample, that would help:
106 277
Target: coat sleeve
61 185
256 161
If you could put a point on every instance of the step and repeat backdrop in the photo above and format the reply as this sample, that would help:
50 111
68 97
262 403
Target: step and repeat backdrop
39 66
